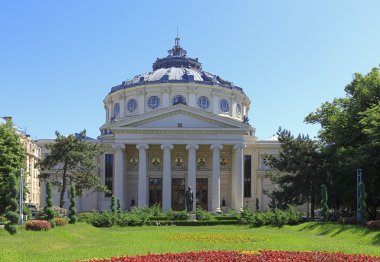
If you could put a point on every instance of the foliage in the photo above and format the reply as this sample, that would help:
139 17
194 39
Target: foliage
12 206
202 214
299 168
37 225
245 216
324 207
85 217
113 204
178 215
249 255
118 206
105 219
60 221
73 211
48 209
273 202
257 204
362 205
350 134
277 218
73 160
131 219
3 220
154 210
11 159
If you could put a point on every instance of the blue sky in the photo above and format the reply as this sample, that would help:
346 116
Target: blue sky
59 59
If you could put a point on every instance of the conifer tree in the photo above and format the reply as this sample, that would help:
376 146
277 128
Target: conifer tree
113 204
324 207
12 208
49 204
118 206
72 209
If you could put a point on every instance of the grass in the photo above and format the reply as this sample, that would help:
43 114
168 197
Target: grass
82 241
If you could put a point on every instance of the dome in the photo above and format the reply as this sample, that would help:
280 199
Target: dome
176 68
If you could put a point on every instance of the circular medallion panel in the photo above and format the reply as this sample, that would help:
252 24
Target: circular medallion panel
224 106
203 102
132 105
153 102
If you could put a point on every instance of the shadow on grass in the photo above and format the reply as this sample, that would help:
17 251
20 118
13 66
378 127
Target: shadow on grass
334 229
376 239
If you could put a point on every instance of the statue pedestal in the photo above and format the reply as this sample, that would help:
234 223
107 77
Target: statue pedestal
192 217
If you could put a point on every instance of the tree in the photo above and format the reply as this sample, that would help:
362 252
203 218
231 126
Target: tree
12 207
12 158
350 135
113 204
362 205
324 207
118 208
299 170
72 159
273 203
72 209
49 211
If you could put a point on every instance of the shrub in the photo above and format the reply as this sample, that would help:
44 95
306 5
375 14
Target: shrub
202 214
38 225
373 225
12 208
3 220
85 217
59 212
245 216
178 215
60 221
257 219
294 216
154 210
105 219
130 219
73 211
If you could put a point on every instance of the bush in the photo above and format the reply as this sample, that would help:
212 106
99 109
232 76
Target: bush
3 220
59 212
294 216
85 217
202 214
178 215
373 225
276 218
154 210
60 221
105 219
37 225
130 219
245 216
257 219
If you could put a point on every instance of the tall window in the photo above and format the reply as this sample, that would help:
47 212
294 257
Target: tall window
247 175
116 110
108 173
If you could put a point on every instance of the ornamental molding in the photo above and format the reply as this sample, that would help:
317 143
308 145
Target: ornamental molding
167 146
142 146
192 146
118 147
217 147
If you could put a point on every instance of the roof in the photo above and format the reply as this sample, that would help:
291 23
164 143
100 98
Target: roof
176 68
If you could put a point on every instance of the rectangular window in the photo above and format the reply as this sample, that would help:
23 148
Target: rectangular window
108 173
247 175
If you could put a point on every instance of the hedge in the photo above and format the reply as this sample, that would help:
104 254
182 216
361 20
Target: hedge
37 225
60 221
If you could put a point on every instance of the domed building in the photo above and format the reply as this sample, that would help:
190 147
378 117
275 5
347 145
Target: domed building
179 126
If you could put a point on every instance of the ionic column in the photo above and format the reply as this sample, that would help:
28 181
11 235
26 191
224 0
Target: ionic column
215 202
167 178
118 181
239 190
142 181
192 170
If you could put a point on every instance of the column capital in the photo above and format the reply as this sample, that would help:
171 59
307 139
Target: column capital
142 146
118 146
216 147
166 146
190 146
239 147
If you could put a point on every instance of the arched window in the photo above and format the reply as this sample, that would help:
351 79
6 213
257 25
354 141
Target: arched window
116 110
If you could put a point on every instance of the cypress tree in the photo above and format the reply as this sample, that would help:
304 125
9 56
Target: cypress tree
324 207
49 204
257 204
73 211
118 206
12 208
113 204
362 204
273 204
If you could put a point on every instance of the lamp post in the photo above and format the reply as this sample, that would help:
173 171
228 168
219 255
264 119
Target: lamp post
358 181
21 197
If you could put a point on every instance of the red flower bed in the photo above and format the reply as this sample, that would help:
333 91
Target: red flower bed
254 256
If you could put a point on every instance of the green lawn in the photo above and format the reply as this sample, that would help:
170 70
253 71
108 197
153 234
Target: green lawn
82 241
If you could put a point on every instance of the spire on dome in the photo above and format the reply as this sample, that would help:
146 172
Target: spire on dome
177 50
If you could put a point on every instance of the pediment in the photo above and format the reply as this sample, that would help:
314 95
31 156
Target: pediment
179 116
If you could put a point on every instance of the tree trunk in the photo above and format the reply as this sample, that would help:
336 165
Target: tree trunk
64 185
312 204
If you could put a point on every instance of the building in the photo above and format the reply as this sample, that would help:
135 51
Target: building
174 127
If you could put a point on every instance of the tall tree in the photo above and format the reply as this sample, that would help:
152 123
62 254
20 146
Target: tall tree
72 159
12 207
350 133
300 167
12 158
73 210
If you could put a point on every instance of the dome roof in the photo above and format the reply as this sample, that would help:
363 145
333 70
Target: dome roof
176 68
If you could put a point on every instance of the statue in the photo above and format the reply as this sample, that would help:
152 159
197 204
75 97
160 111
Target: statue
189 199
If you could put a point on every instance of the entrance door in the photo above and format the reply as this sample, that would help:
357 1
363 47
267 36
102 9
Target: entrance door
202 193
178 194
155 191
